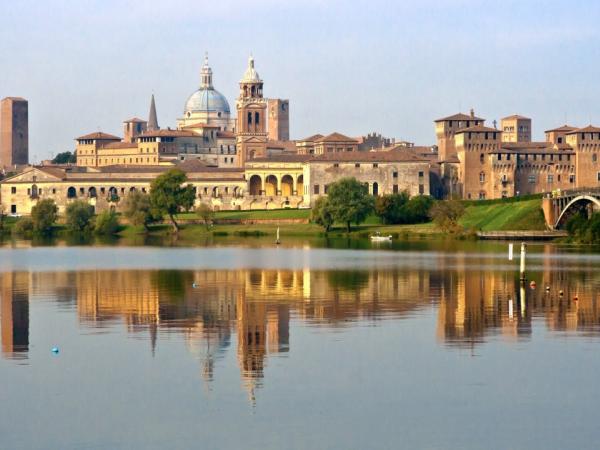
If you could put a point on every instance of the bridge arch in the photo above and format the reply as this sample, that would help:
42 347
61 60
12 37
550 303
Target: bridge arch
577 204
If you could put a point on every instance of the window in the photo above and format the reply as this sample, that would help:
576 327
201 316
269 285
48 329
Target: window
421 174
482 196
482 177
316 189
336 165
531 179
325 189
349 149
421 188
13 209
504 194
395 175
594 157
571 178
13 190
357 165
559 140
558 177
329 149
54 190
550 179
395 189
482 158
598 176
375 165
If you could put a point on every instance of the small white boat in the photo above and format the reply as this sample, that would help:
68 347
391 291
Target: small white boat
377 237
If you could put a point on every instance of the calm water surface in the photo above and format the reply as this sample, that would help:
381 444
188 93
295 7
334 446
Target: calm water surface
423 345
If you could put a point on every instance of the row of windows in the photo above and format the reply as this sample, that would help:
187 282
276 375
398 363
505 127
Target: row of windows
375 188
525 157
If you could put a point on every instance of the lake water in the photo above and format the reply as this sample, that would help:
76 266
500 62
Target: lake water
423 345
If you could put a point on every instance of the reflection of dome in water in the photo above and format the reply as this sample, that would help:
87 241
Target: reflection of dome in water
207 98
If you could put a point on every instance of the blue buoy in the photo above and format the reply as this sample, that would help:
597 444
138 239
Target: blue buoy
55 350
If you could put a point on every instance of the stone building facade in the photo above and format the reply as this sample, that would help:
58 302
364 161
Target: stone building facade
494 163
14 132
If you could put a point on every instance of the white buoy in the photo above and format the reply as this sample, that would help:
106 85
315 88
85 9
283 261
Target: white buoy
523 254
510 251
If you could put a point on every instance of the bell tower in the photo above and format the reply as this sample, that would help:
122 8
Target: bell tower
251 129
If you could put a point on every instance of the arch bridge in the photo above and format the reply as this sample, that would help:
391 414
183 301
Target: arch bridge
559 207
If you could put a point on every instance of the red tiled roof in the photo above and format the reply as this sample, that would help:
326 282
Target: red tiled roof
588 129
99 136
564 128
168 133
336 137
135 120
312 138
515 116
459 116
225 134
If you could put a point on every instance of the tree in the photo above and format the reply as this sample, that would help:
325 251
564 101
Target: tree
390 207
169 196
107 223
321 213
349 201
65 158
206 213
446 213
44 216
417 209
79 215
138 209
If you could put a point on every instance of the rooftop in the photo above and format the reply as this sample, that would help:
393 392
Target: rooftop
99 136
335 137
459 116
478 129
564 128
588 129
515 117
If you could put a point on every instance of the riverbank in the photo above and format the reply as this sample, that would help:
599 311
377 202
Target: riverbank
479 216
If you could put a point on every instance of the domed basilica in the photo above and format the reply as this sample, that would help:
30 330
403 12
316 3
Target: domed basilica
207 106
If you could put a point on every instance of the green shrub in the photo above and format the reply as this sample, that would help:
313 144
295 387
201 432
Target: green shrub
79 216
23 227
107 224
43 216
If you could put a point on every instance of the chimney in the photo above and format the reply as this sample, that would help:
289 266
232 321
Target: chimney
472 113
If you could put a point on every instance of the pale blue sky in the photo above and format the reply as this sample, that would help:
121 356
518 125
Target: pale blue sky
351 66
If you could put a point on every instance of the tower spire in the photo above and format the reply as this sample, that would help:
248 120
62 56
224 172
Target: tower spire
206 74
152 120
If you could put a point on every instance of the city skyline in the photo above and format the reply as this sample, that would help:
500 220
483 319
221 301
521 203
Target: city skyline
404 65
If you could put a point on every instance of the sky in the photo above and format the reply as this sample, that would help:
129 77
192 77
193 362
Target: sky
350 66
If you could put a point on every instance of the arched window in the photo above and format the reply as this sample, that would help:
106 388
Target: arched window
482 177
92 192
249 118
256 118
375 189
71 192
481 158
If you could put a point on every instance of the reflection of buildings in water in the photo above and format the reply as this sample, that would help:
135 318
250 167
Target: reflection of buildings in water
258 305
14 314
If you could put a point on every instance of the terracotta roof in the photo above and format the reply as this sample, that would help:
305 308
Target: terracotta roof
478 129
564 128
120 145
168 133
225 134
335 137
135 120
285 145
312 138
295 158
99 136
201 125
515 116
16 99
54 171
459 116
588 129
389 156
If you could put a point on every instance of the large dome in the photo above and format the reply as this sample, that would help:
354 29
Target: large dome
207 99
